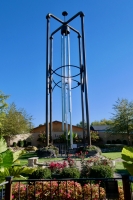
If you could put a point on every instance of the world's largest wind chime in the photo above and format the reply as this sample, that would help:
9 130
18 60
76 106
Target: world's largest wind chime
66 78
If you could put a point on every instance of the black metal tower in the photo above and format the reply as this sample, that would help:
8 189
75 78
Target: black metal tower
83 83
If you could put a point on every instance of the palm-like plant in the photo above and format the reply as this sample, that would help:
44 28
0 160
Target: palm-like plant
127 156
7 163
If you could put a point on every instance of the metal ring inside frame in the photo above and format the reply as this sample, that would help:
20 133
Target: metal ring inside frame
56 84
54 71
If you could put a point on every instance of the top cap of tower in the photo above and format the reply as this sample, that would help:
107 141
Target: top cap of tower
64 13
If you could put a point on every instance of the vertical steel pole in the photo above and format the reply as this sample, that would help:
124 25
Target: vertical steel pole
50 85
82 85
62 84
69 89
65 85
47 78
85 80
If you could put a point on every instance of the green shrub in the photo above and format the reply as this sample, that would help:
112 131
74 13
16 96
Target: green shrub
31 148
101 171
112 148
89 149
28 143
70 173
48 151
14 144
85 171
125 142
113 142
41 174
108 142
25 143
20 143
118 141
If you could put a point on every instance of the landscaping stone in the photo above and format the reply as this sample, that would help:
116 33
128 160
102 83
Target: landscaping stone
32 162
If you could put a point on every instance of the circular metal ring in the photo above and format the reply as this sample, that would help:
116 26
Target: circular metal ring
56 84
54 71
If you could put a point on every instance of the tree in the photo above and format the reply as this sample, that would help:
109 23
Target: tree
80 124
122 120
94 134
16 121
101 122
3 107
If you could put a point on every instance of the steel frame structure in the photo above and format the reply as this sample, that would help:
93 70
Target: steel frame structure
82 73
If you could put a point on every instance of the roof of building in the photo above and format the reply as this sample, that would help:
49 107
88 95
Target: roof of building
56 121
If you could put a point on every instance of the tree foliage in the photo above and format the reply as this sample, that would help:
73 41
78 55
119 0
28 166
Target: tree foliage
3 107
80 124
16 121
122 119
94 134
101 122
3 104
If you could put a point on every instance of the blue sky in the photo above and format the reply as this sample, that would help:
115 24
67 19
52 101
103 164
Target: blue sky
109 54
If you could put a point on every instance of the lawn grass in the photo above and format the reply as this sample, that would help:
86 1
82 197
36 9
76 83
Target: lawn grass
24 158
119 168
112 155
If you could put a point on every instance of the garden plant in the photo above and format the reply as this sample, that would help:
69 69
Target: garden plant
65 190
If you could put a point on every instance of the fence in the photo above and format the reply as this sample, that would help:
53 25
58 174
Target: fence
80 189
63 147
2 189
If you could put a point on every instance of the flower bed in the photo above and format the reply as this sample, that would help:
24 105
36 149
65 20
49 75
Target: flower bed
64 190
57 167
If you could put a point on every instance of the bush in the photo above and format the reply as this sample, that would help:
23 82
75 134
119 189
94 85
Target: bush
112 148
94 161
118 141
49 151
28 143
20 143
113 142
70 173
101 171
57 167
108 142
45 153
14 144
25 143
31 148
125 142
41 174
59 190
89 149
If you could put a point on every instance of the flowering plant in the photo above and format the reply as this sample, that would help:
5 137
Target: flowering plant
81 155
86 165
64 190
57 167
71 162
93 191
99 160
